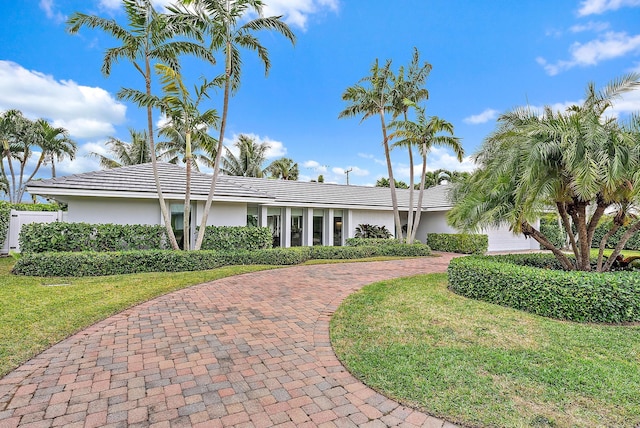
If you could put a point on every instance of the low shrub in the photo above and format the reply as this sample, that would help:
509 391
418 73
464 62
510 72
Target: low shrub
232 238
64 237
527 283
368 242
463 243
372 231
123 262
554 232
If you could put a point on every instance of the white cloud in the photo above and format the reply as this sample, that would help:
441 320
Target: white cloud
590 26
373 158
610 45
49 9
628 103
276 148
297 12
315 166
596 7
484 117
438 158
84 111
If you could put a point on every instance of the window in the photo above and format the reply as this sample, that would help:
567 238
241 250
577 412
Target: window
252 216
318 226
337 228
296 227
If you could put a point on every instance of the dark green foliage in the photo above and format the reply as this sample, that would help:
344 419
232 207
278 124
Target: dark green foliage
232 238
63 237
512 281
554 232
604 226
367 242
463 243
123 262
372 231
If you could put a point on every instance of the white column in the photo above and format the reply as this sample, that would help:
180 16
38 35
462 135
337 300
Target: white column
329 226
262 216
286 228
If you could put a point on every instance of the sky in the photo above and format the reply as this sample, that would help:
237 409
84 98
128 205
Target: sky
488 57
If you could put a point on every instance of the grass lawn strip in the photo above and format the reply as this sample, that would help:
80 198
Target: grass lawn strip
480 364
39 312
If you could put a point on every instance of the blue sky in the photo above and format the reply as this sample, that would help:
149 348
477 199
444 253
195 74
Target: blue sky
488 57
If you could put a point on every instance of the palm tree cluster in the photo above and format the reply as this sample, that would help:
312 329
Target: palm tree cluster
152 40
251 158
385 94
581 162
21 138
431 179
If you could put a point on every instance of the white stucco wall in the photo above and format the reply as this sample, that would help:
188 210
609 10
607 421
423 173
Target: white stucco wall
113 210
223 214
376 218
500 239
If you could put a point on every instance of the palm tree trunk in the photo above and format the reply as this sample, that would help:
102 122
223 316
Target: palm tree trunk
53 167
187 195
392 184
154 163
216 163
420 194
603 244
12 189
623 241
529 230
410 234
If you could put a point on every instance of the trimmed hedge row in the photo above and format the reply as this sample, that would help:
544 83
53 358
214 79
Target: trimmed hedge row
123 262
63 237
612 297
232 238
463 243
367 242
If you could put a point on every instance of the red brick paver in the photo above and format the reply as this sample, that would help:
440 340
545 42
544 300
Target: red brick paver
251 350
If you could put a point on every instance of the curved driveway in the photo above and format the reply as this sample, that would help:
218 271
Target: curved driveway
250 350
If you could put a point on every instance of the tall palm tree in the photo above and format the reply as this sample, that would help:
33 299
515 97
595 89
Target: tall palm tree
149 36
54 143
228 34
134 153
409 91
183 112
582 162
284 169
249 161
425 133
372 97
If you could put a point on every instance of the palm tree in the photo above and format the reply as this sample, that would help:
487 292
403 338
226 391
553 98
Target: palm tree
55 143
227 34
183 112
406 92
174 148
582 162
14 132
249 161
149 36
370 97
134 153
284 169
425 134
384 182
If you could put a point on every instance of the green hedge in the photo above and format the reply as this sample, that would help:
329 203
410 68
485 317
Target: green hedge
231 238
367 242
554 232
123 262
612 297
63 237
604 226
463 243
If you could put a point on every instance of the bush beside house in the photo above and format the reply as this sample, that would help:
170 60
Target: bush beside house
463 243
123 262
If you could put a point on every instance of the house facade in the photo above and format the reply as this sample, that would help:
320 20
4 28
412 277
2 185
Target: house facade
297 213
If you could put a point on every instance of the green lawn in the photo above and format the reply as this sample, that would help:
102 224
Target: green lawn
485 365
37 312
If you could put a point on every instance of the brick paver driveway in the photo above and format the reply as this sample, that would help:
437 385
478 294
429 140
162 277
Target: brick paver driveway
250 350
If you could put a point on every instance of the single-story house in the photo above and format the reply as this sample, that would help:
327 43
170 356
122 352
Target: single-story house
298 213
